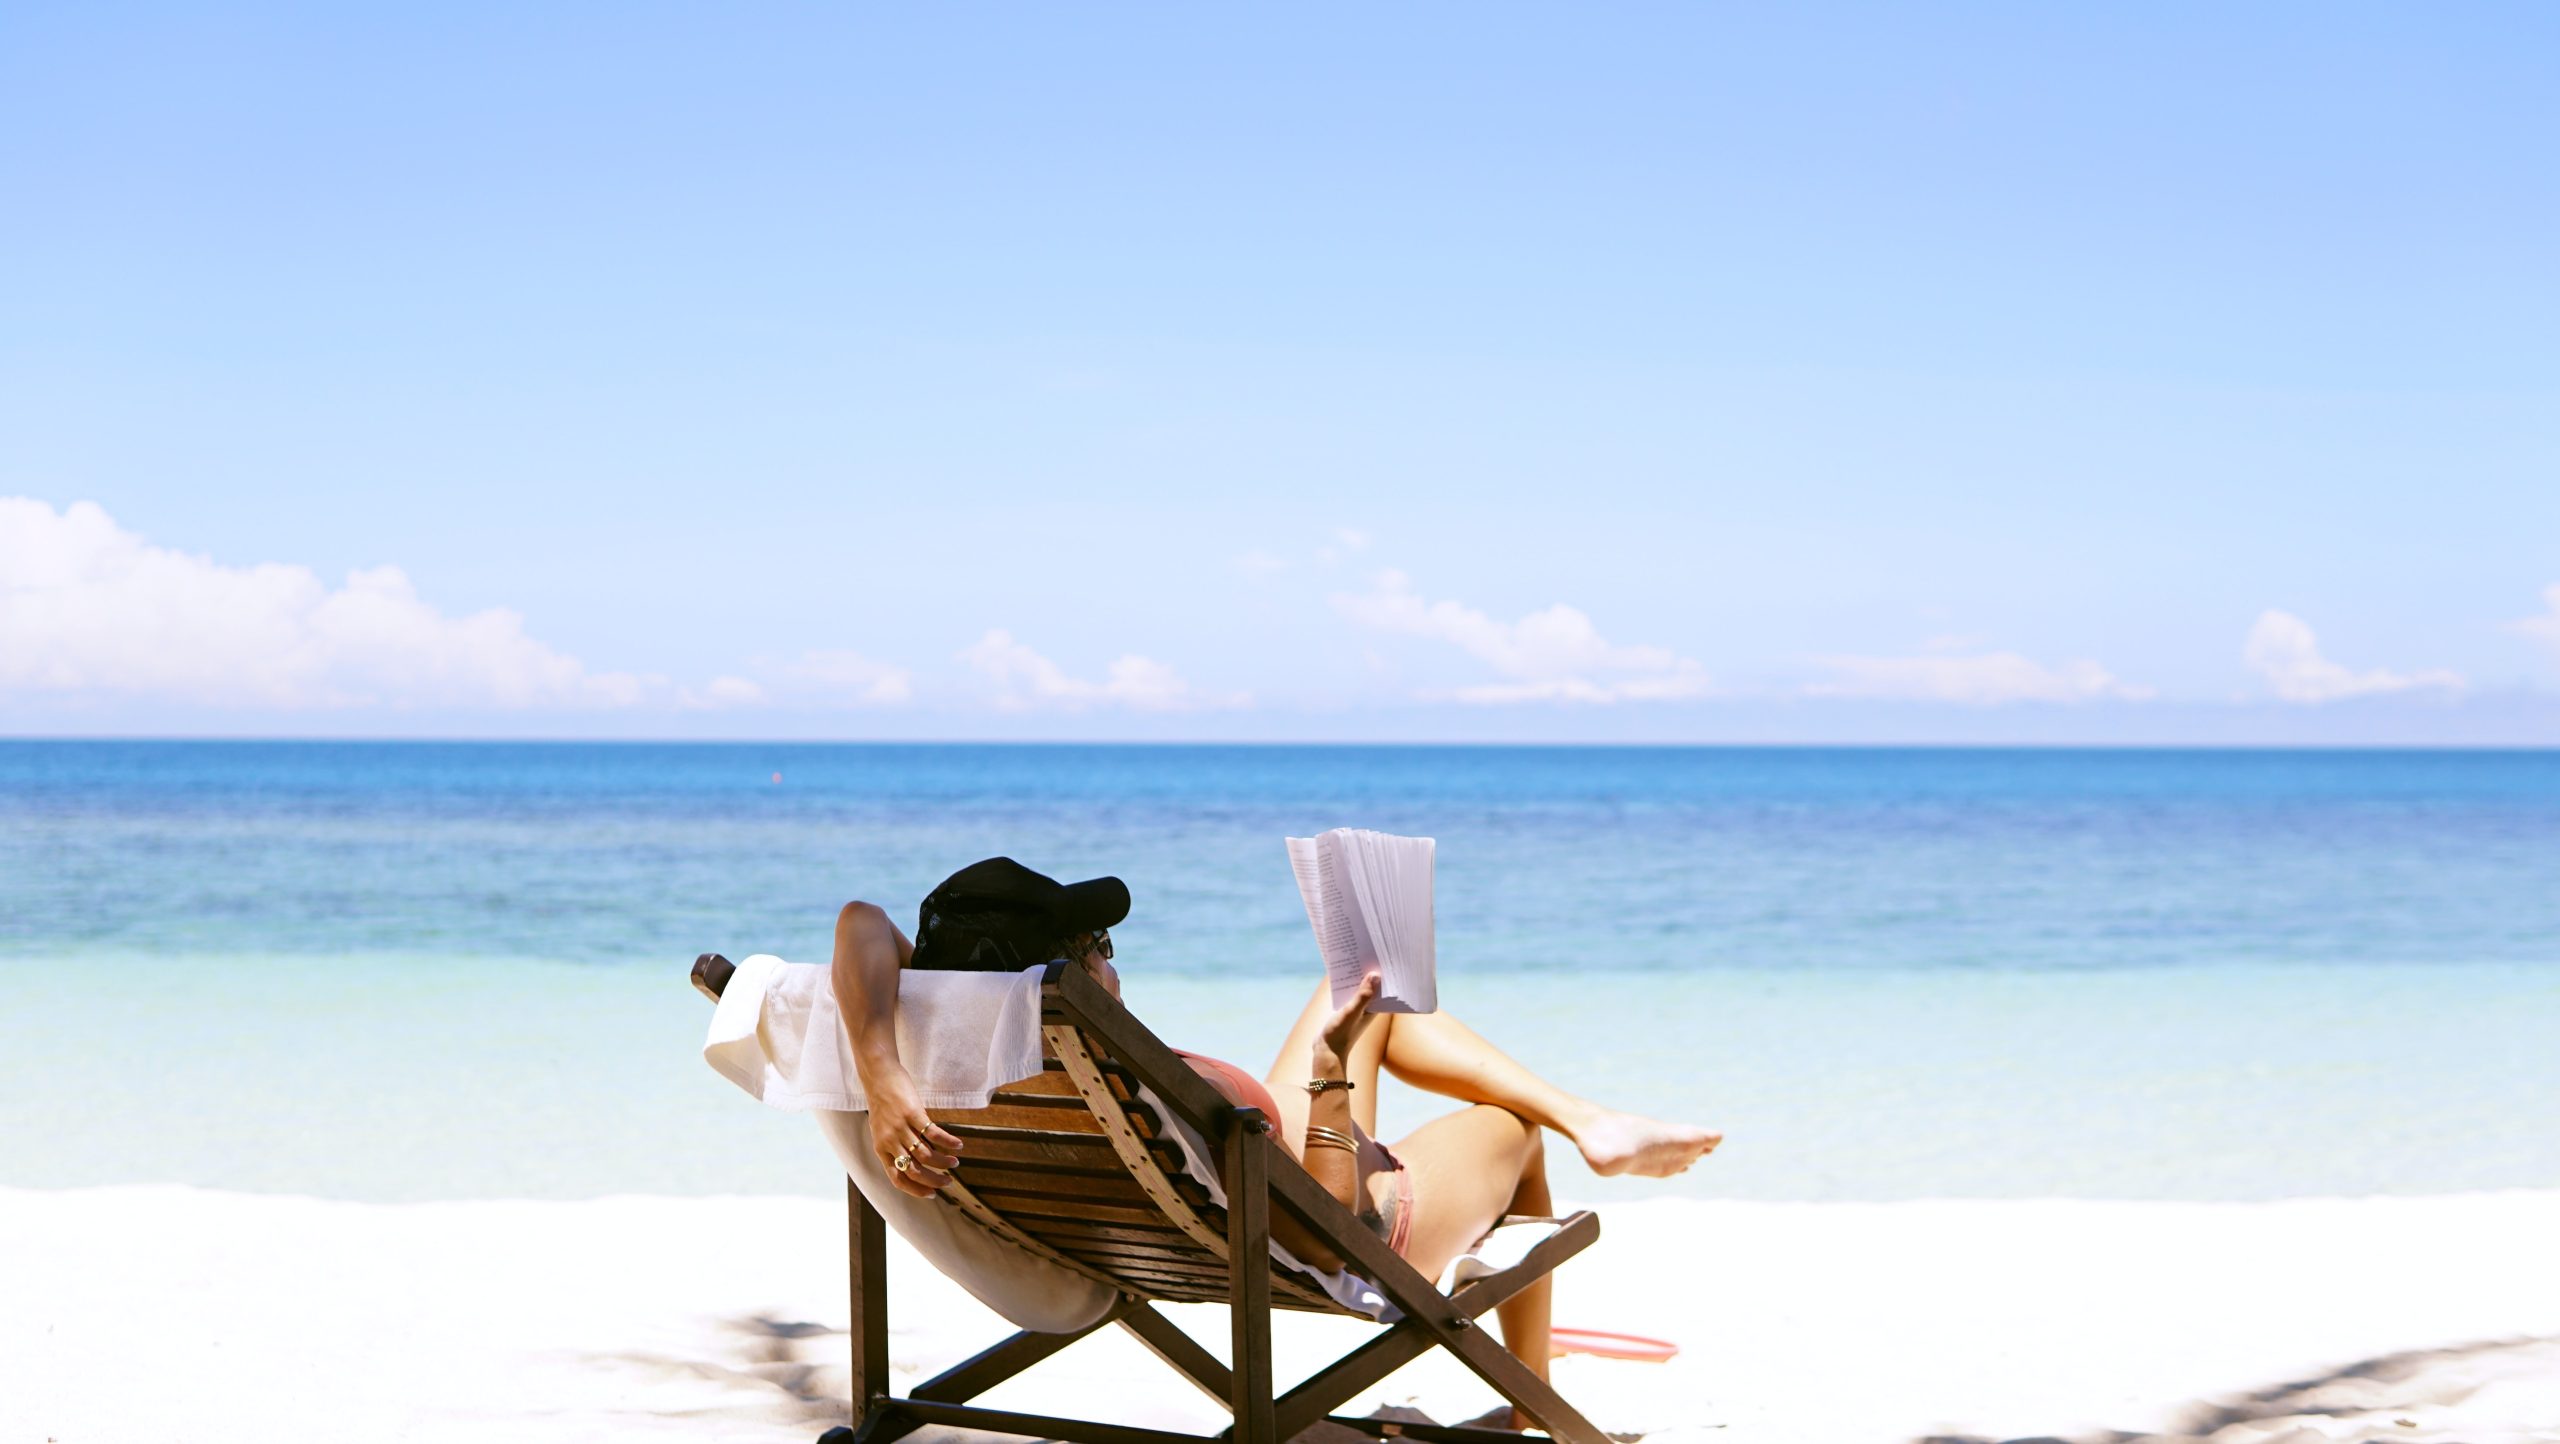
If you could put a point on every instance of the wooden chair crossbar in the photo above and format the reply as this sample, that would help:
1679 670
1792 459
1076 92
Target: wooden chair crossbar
1076 1168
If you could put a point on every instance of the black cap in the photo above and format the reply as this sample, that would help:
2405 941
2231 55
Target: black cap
998 916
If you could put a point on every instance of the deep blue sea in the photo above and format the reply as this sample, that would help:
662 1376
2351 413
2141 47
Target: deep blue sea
418 970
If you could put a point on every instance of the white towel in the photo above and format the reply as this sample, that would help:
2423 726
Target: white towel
1504 1247
777 1034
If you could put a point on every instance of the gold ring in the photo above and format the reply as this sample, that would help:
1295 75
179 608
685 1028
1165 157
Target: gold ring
903 1163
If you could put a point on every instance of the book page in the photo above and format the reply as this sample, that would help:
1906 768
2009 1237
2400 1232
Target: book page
1319 887
1409 868
1401 868
1339 853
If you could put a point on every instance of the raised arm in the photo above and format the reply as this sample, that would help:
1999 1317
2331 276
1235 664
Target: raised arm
1327 1154
870 952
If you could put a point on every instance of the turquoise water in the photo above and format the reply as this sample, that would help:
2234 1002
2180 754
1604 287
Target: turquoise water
427 970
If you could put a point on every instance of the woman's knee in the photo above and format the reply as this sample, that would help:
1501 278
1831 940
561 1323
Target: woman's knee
1517 1133
859 911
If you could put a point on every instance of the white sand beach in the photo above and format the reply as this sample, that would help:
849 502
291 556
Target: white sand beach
153 1313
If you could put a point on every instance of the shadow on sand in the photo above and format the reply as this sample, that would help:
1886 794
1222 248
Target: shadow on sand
2499 1389
769 1358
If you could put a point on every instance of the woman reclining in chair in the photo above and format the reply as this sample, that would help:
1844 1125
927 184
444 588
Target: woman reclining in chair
1430 1195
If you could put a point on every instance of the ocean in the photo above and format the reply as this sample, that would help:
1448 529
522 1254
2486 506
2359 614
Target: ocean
427 970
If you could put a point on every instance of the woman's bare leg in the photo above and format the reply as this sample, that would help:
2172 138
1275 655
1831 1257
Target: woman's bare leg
1439 1054
1469 1169
1527 1315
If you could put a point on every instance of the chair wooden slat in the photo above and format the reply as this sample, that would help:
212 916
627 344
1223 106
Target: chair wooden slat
1012 1203
1050 1176
1004 1228
1113 1186
1045 1187
1141 1263
1052 1082
1064 1230
1215 1291
1178 1255
1066 1102
1215 1282
1028 1147
1022 1118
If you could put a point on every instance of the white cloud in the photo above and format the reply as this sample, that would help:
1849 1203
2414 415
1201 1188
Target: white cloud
721 693
2546 627
1979 679
2282 649
841 676
90 609
816 678
1025 679
1554 655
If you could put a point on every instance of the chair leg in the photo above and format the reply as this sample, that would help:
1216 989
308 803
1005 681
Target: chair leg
1249 1277
1330 1387
867 1252
973 1376
1515 1382
1327 1389
1179 1350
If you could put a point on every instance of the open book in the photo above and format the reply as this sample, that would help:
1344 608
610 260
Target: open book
1369 896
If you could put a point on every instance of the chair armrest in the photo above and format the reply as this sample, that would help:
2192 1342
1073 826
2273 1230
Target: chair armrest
711 974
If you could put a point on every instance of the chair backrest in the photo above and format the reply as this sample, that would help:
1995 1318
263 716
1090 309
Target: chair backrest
1076 1166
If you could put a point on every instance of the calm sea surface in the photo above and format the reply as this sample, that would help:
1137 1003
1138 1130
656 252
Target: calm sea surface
429 970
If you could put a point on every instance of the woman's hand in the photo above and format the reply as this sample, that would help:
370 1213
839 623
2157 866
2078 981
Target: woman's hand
900 1126
1343 1029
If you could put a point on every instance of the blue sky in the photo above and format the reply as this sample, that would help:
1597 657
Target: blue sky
2130 373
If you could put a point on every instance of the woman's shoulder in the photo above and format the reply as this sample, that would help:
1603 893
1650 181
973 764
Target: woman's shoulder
1233 1083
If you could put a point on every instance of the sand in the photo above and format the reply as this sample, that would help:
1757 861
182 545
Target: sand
166 1313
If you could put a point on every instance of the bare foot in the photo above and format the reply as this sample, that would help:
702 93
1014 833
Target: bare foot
1614 1143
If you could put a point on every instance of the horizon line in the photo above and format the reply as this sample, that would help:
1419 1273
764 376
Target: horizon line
1559 744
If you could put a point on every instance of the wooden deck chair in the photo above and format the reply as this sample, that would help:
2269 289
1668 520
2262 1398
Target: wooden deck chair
1073 1166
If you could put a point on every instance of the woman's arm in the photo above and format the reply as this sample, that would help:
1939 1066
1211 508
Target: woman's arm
1338 1169
870 951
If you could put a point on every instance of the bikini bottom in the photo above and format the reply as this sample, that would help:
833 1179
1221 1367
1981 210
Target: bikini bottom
1394 1224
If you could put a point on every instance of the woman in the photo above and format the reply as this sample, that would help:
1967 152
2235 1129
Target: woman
1430 1195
